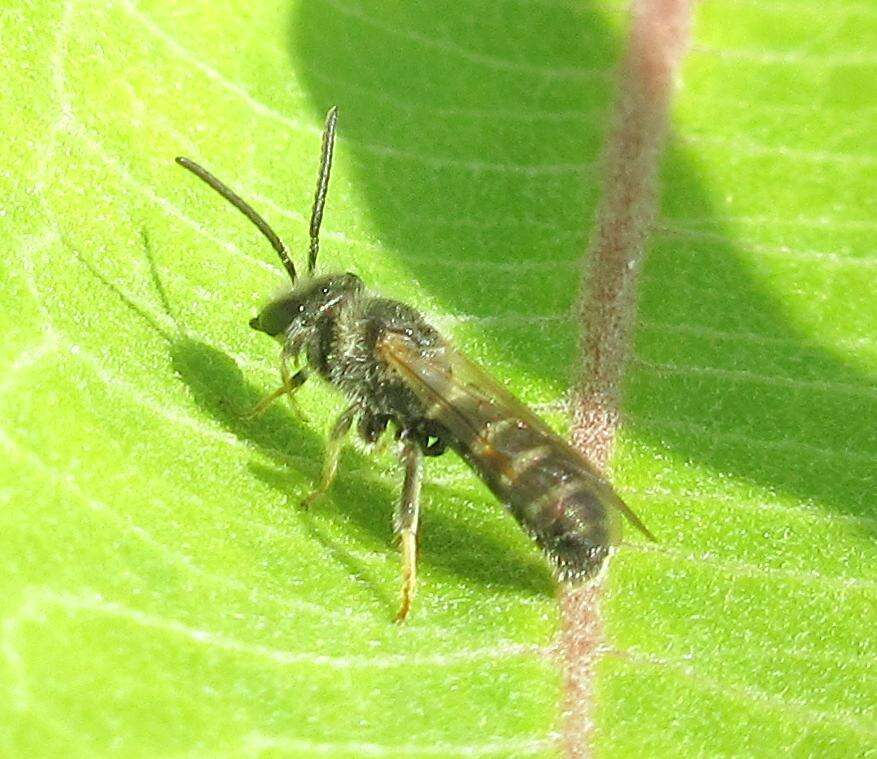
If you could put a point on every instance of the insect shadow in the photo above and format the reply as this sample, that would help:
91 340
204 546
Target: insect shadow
219 388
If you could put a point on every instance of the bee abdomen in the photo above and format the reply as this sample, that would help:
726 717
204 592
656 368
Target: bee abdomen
550 490
571 525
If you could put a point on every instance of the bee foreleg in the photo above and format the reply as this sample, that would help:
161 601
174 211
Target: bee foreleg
293 383
407 521
289 386
333 453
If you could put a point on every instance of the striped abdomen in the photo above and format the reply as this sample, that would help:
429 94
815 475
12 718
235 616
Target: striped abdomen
549 488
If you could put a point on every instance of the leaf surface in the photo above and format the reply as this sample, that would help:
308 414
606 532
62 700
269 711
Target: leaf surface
160 592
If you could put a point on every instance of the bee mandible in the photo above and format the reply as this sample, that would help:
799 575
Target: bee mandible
398 371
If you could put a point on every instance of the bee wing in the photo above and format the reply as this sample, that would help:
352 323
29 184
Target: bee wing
454 390
467 400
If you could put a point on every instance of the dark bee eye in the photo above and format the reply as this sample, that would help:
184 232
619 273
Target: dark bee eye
352 282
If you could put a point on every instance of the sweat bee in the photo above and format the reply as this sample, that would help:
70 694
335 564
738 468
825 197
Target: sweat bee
397 370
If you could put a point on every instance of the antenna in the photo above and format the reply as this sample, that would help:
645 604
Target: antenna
322 185
247 210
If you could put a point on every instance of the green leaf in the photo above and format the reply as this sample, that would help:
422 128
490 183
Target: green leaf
160 593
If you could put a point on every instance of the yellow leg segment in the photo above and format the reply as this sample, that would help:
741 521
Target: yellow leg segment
289 386
407 522
333 453
409 573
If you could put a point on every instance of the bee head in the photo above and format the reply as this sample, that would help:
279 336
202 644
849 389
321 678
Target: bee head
305 304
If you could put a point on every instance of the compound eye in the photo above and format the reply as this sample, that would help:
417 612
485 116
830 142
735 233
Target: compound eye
353 280
277 316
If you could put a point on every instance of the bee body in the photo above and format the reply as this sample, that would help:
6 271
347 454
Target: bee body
397 370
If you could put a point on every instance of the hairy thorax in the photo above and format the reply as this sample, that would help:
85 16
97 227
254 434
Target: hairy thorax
347 352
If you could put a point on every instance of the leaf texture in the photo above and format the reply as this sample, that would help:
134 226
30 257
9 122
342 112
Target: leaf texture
160 594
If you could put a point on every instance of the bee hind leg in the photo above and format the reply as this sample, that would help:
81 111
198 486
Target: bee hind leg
407 522
333 453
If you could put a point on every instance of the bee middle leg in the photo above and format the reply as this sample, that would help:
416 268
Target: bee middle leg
407 521
333 453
